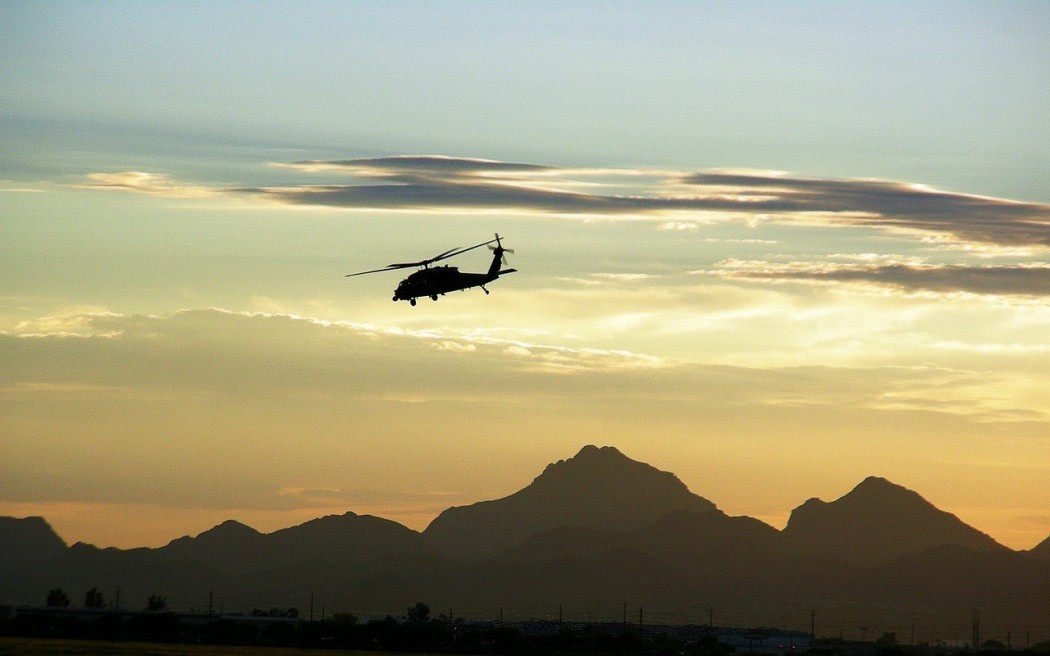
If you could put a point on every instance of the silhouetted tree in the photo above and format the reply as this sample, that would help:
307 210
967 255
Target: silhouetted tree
94 599
291 613
156 603
348 619
418 614
57 598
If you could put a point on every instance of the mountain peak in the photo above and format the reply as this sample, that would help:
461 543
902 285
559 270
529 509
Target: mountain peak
882 488
605 465
232 526
593 456
227 536
598 488
877 482
231 529
603 478
30 539
875 522
592 451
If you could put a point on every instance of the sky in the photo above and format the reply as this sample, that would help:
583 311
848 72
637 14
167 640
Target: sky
773 248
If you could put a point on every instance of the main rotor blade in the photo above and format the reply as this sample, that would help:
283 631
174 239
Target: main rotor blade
422 263
405 265
391 267
469 248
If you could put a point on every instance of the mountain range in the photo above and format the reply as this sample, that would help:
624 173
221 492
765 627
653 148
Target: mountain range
590 534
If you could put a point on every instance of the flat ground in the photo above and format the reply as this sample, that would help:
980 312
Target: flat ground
45 647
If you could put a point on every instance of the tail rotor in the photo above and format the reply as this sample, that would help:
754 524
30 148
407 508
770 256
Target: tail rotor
499 248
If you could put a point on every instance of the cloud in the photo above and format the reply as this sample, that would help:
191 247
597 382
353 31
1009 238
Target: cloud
146 183
623 277
1023 280
896 205
211 409
261 360
418 168
260 357
678 226
249 354
676 199
307 497
428 183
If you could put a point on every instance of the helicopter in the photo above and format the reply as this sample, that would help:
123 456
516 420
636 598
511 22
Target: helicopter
439 280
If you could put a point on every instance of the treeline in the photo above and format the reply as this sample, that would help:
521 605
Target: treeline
416 632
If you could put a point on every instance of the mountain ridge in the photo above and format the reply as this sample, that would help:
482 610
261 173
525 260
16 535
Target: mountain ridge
669 548
235 547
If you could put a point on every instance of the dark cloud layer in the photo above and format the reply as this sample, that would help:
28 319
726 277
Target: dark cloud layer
419 167
446 183
430 183
440 183
459 195
1016 280
890 204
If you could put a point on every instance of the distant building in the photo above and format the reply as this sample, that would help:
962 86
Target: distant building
761 641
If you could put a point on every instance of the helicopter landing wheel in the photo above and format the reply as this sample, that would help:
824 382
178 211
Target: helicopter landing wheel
433 297
412 302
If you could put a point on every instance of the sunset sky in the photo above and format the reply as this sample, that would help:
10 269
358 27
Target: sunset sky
773 248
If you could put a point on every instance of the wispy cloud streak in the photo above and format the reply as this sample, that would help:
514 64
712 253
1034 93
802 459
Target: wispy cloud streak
147 183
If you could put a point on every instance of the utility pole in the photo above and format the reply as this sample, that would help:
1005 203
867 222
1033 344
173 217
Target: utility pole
976 629
625 618
311 608
640 623
813 628
711 616
211 600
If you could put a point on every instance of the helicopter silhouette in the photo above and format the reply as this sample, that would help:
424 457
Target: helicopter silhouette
438 281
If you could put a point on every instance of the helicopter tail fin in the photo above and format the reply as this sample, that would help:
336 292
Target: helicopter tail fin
498 259
496 262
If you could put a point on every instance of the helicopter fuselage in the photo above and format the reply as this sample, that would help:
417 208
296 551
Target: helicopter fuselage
437 281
